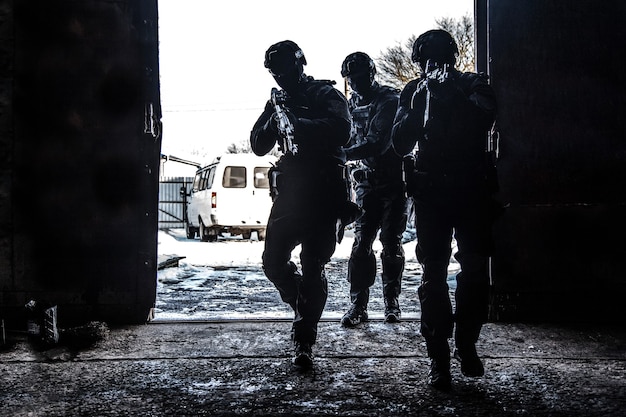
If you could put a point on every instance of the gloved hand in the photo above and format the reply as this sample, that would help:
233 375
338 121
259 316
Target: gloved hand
441 84
418 100
287 118
415 117
272 123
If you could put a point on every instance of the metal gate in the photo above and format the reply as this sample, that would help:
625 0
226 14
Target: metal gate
173 201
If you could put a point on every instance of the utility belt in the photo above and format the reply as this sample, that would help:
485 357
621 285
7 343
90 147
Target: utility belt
364 174
295 179
418 181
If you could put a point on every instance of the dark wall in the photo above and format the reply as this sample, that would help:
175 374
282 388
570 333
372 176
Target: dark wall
6 144
557 67
84 146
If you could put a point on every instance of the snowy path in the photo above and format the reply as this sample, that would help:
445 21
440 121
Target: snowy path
224 280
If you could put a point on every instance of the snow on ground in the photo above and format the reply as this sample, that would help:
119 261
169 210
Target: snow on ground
225 280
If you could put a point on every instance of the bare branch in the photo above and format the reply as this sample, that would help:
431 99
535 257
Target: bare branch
394 64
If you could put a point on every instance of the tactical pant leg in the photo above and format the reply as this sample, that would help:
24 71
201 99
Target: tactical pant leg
437 320
361 275
433 251
276 257
317 248
392 258
472 292
393 267
362 262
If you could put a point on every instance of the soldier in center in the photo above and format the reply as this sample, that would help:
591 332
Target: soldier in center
379 190
308 184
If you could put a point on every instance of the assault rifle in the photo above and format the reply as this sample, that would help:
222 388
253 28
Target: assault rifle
360 117
438 74
285 127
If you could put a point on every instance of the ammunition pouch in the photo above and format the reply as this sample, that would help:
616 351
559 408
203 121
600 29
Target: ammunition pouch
360 121
348 213
274 175
410 173
492 173
345 178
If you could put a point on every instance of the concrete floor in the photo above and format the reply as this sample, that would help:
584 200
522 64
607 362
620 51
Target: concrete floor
243 368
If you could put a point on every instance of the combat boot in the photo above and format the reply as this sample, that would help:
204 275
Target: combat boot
392 310
303 357
465 340
439 376
392 276
471 365
355 315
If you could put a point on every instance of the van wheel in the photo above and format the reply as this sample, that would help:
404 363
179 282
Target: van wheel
261 234
190 231
204 232
246 234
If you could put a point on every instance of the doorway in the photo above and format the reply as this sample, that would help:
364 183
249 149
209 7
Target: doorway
212 91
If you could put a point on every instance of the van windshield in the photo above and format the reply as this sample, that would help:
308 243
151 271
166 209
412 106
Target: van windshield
234 177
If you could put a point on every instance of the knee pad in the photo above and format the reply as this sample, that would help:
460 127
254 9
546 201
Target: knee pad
277 271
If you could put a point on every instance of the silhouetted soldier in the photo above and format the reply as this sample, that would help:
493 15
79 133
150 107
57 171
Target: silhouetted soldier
379 190
310 121
449 114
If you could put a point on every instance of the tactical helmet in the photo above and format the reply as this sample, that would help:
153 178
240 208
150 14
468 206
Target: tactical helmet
284 52
435 44
357 63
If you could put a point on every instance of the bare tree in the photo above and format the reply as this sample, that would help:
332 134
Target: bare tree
462 31
394 64
244 147
241 147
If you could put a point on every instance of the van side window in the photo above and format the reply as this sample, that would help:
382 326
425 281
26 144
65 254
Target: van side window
234 177
261 180
210 177
205 177
196 182
203 180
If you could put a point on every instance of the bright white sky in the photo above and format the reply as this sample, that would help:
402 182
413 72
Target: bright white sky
213 83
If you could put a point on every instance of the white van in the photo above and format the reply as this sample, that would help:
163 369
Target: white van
230 195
